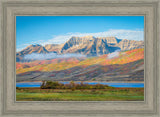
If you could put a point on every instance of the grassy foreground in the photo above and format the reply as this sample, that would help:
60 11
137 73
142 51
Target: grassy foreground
116 94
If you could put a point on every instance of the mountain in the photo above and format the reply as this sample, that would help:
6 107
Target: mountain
130 44
87 45
110 40
53 47
123 44
127 66
30 49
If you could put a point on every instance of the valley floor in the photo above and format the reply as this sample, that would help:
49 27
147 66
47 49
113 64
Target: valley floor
115 94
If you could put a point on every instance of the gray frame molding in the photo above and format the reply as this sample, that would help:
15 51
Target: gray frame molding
9 9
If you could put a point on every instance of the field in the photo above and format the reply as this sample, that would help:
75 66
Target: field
110 94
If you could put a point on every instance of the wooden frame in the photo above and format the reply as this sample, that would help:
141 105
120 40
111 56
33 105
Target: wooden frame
11 8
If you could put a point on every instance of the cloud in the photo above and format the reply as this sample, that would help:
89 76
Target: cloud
41 56
119 33
114 54
21 47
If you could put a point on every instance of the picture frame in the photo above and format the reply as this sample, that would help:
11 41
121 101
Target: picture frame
11 8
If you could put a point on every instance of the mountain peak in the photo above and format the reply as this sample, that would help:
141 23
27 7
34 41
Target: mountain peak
34 48
35 45
88 36
87 45
83 37
112 37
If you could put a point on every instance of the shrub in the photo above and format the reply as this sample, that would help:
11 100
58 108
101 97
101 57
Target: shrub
73 86
17 88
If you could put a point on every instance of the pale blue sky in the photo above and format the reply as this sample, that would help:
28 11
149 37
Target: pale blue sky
57 29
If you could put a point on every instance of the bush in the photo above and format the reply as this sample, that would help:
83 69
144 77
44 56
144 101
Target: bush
73 86
17 88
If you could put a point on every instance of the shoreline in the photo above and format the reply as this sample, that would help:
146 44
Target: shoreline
90 81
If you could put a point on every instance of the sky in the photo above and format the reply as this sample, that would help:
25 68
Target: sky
58 29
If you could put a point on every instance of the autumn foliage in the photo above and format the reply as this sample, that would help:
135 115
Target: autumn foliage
63 64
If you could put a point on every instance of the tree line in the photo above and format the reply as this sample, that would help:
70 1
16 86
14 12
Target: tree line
72 85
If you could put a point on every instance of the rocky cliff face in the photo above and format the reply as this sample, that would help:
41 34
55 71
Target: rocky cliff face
87 45
30 49
110 40
129 44
53 47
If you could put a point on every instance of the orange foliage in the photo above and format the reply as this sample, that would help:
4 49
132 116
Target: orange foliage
62 64
127 57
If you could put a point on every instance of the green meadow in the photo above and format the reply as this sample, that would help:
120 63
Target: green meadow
110 94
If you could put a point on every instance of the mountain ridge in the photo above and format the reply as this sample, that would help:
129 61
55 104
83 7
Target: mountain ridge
128 66
87 45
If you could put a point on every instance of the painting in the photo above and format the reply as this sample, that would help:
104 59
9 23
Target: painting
80 58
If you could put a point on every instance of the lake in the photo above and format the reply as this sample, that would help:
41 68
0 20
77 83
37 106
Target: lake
113 84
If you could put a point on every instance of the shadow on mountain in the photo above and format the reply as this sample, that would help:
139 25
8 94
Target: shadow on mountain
113 49
133 71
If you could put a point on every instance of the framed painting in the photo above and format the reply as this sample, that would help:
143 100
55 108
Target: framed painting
84 64
79 58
